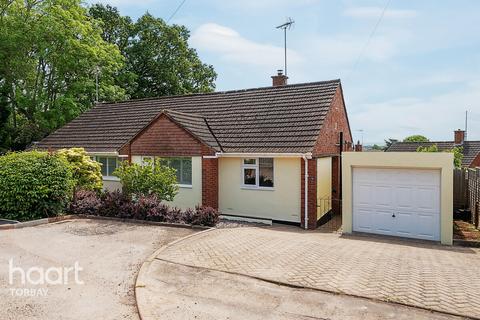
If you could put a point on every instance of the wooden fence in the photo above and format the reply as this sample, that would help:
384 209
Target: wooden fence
466 192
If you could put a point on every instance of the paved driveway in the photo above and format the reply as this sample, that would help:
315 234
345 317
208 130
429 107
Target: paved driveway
430 276
110 254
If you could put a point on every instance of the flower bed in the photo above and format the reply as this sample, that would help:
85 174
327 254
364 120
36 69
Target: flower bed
150 208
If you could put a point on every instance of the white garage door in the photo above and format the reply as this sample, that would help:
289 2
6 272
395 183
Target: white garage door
397 202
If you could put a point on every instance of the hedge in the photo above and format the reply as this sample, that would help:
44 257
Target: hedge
34 185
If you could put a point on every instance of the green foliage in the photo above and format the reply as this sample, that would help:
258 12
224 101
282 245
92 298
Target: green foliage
50 53
432 148
86 172
457 153
377 147
34 185
416 138
151 179
158 58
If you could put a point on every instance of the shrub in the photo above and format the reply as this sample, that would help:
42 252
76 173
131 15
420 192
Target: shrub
86 172
155 179
86 202
205 216
116 204
34 185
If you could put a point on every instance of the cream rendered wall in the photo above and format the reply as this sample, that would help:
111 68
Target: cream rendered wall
281 203
410 160
324 186
187 197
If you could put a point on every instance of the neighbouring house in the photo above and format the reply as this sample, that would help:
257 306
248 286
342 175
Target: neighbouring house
270 153
470 149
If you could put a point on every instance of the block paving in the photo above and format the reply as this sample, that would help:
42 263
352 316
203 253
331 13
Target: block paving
414 273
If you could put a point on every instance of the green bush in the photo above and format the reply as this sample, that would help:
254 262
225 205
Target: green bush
151 179
86 172
34 185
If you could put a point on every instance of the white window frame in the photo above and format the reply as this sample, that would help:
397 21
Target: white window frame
108 178
180 185
255 166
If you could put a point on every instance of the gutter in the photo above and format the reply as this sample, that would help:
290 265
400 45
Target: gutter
308 155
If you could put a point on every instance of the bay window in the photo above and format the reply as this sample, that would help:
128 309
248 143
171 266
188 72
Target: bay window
257 172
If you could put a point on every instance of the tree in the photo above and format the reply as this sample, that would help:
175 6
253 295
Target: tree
457 153
376 147
158 59
151 178
416 138
50 55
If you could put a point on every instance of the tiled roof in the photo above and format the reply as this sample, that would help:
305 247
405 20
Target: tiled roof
470 148
195 124
271 119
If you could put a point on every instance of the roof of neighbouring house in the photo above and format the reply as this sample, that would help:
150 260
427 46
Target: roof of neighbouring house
470 148
271 119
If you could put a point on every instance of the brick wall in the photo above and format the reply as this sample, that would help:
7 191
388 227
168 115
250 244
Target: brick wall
335 122
210 182
164 137
312 193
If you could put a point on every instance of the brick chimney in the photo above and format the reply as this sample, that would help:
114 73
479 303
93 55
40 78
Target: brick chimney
459 136
280 79
358 147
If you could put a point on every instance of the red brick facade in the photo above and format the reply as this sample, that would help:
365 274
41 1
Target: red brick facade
335 122
312 193
163 137
210 182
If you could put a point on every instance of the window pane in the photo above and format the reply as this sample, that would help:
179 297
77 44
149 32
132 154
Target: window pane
266 172
249 176
177 165
249 161
112 165
186 175
103 162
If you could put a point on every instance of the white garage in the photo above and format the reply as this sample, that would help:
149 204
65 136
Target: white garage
402 194
397 202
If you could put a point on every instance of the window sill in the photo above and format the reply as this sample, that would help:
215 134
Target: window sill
245 187
110 178
185 186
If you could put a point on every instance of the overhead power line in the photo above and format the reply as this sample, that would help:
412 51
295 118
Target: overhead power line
380 18
176 10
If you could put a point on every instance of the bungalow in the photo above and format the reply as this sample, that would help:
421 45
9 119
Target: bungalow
470 149
251 153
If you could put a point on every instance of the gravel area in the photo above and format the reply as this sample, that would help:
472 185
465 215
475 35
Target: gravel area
109 252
